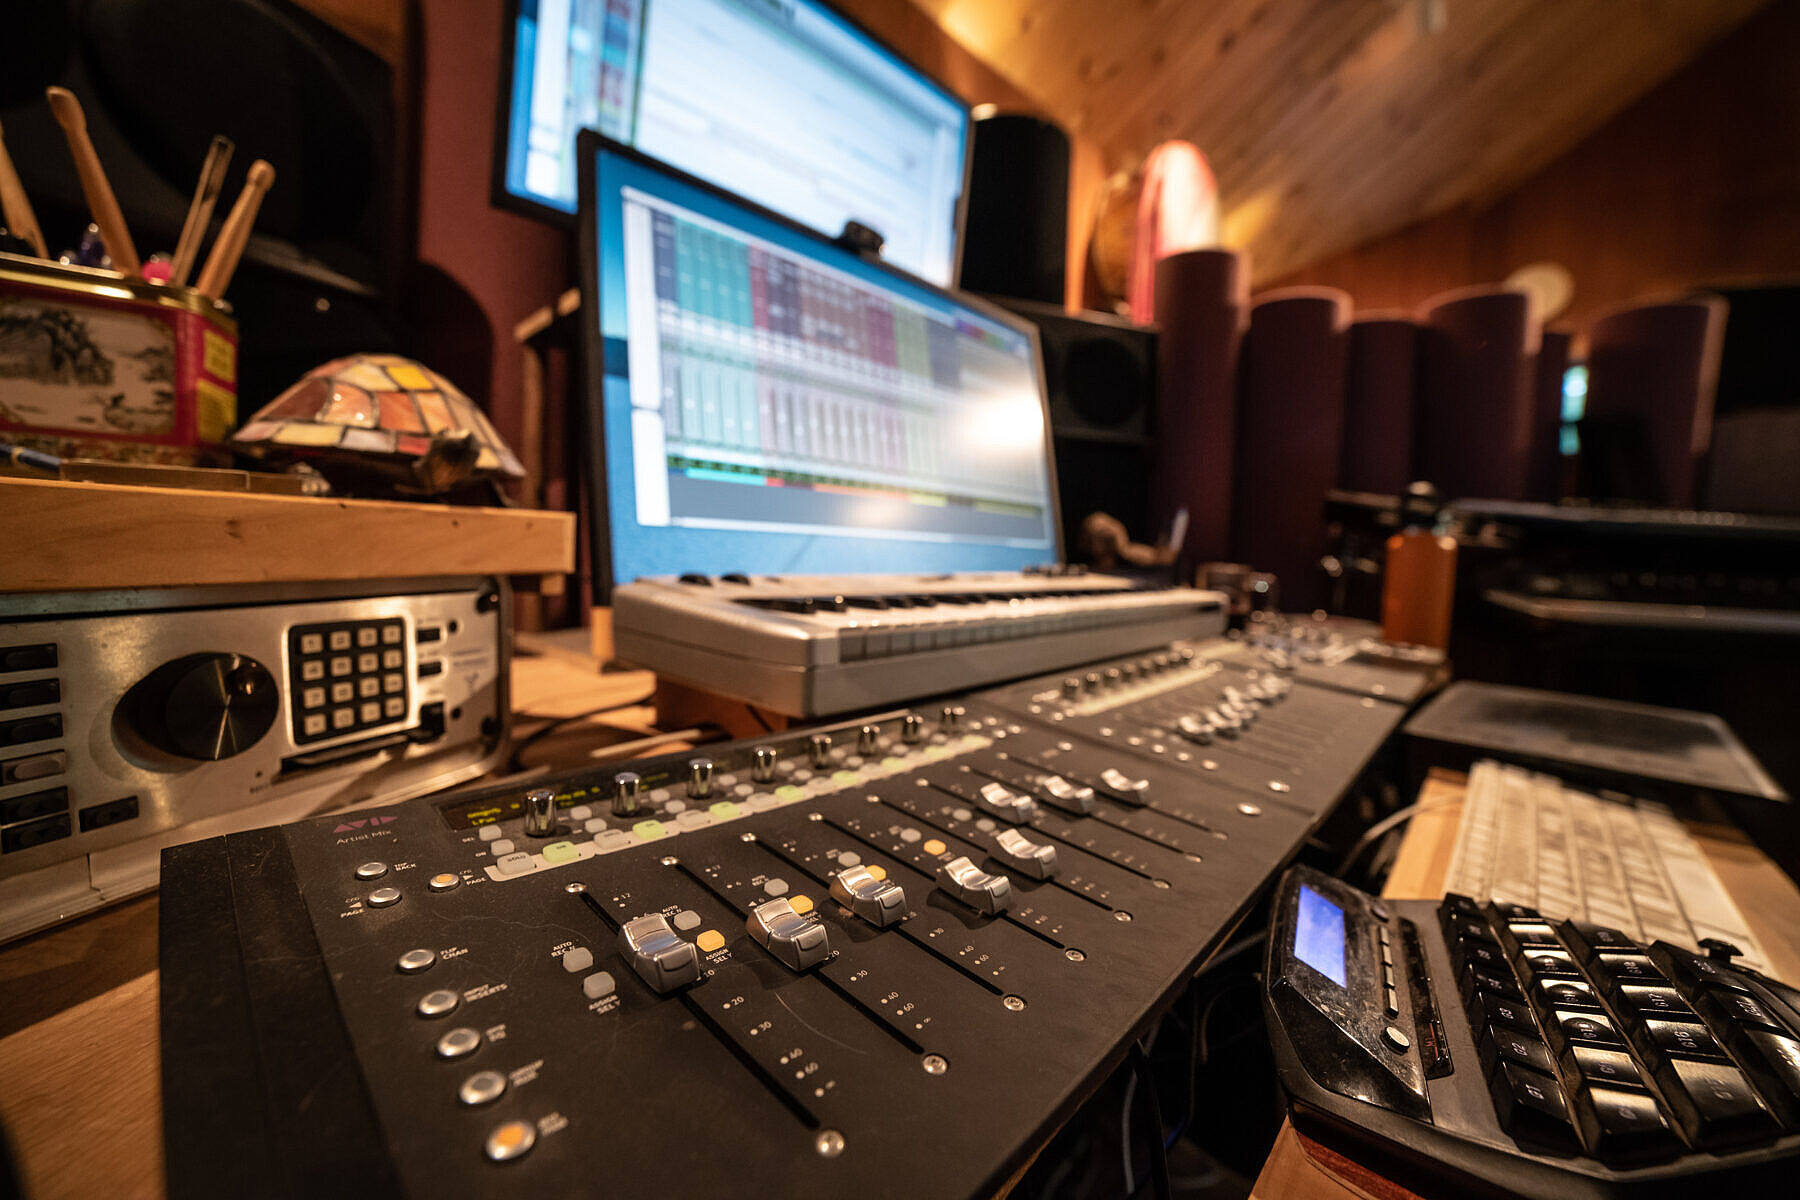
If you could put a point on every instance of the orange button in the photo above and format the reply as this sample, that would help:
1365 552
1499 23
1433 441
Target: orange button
877 872
711 940
801 904
933 847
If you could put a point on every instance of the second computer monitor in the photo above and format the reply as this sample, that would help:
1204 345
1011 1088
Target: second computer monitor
764 401
784 102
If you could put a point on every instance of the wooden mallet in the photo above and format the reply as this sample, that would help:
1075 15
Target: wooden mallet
16 206
101 201
206 197
223 261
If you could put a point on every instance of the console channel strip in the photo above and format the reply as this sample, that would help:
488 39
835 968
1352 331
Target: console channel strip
884 956
1251 732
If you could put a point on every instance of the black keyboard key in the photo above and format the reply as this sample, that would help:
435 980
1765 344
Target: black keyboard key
1455 905
875 602
1713 1103
1623 1123
1531 1106
1550 964
1647 1001
1781 1058
1683 1039
1590 1028
1613 1068
1626 968
1476 979
1500 1044
696 579
1471 930
1517 912
1565 993
1587 940
1530 934
1741 1007
1696 970
1485 955
1487 1010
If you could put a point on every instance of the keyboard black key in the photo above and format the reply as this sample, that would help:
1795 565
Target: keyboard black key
1486 955
1781 1058
1531 1106
1696 970
1650 1001
1550 964
1454 904
1500 1044
1528 934
1587 940
1614 1068
1500 984
1472 930
1684 1039
1623 1123
1564 993
1741 1007
1486 1009
1516 912
1590 1028
875 602
1626 968
1713 1103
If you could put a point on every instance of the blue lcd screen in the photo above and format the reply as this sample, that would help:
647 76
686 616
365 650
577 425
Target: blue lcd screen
774 405
1319 936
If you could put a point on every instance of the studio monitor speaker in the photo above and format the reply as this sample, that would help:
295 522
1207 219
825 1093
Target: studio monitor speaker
1016 234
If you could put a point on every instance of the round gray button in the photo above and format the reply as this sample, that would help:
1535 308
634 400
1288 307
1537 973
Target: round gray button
458 1043
510 1141
1394 1040
443 881
414 961
382 897
438 1003
372 870
483 1087
776 887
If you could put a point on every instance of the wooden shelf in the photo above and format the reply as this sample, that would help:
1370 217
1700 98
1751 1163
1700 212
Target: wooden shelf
60 536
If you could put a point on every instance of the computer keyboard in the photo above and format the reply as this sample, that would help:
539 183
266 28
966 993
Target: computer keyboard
1626 864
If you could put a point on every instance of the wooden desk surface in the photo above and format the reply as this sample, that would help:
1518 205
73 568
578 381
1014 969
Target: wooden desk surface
80 1072
1297 1167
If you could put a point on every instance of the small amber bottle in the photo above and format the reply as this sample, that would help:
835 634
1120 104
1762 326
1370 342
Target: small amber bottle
1419 587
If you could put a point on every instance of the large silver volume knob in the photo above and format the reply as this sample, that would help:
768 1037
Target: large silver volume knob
819 750
762 764
700 775
540 812
912 729
625 793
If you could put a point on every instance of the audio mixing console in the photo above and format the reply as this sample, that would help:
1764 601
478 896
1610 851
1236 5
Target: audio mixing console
887 956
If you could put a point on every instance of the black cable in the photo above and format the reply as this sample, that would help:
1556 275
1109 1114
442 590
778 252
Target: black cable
1159 1163
759 718
515 764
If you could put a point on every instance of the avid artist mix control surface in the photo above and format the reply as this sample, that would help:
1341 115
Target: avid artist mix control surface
887 956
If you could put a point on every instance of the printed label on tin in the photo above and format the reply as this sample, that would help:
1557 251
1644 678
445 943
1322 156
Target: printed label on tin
218 357
85 370
217 410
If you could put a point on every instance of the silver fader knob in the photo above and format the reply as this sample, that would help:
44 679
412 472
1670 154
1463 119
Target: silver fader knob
540 812
664 959
625 793
798 941
1132 791
912 729
876 901
700 775
866 738
819 750
1194 729
1075 798
982 892
1006 804
762 764
1023 855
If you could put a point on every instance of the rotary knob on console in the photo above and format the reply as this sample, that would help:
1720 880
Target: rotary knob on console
540 812
912 729
626 785
204 706
818 750
867 740
762 764
700 778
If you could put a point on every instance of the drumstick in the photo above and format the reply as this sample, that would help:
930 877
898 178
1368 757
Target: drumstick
206 196
17 207
223 260
101 201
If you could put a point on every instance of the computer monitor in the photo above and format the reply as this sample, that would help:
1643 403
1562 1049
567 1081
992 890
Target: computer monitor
784 102
760 400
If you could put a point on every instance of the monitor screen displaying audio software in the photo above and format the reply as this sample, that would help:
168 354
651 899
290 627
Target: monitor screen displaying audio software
782 101
764 401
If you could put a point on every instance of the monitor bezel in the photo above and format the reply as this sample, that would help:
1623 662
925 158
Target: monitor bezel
591 423
500 197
